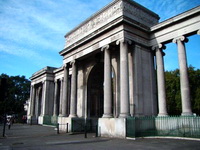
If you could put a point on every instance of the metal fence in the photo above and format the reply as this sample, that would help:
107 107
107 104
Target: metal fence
50 120
178 126
80 125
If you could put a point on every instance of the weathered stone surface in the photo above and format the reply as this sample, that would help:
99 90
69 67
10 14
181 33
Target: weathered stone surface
117 82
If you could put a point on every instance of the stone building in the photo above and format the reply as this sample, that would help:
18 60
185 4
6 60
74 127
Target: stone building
111 63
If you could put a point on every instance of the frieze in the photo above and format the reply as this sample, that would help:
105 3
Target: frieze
93 23
139 14
116 10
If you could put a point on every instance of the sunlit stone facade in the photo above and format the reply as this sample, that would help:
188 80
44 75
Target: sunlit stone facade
111 63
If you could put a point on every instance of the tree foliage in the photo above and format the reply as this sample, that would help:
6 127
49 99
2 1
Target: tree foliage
16 94
174 93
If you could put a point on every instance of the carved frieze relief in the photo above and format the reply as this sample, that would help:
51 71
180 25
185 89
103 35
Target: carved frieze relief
93 23
115 11
139 14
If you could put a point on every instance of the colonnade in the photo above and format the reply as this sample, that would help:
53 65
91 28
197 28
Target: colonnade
184 79
68 106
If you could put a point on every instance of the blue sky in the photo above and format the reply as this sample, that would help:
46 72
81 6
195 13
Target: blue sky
32 31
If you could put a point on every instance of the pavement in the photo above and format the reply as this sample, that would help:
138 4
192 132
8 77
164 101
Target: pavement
36 137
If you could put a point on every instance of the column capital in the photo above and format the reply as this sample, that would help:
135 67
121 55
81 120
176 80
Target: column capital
180 38
158 46
61 79
32 85
65 65
105 47
198 32
73 61
55 81
124 40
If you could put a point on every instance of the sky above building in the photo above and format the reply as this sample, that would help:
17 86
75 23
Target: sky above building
32 31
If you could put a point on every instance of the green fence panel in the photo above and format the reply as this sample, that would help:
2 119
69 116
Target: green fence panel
179 126
130 127
50 120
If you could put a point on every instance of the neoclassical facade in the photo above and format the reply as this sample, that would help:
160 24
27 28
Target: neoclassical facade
111 65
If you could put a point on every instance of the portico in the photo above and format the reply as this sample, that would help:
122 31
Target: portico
108 71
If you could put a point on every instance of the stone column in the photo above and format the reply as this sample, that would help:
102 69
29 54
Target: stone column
44 106
73 104
124 79
107 83
55 106
61 97
184 80
65 90
33 101
30 104
162 104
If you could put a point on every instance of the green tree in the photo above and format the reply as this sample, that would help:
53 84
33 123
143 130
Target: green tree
17 92
173 92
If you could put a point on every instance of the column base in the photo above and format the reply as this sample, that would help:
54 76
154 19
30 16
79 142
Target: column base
187 114
124 115
72 116
163 115
107 116
61 115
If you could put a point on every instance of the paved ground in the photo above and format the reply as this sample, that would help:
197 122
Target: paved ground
26 137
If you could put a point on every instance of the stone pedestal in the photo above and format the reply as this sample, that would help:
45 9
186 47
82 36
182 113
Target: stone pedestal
112 127
63 123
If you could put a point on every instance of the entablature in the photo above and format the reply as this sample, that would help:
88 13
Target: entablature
116 12
187 23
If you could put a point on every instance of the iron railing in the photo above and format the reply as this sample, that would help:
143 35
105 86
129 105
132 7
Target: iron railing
178 126
50 120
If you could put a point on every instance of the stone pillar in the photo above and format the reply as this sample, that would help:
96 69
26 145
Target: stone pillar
55 106
184 80
45 92
30 104
107 83
73 104
124 79
162 104
61 97
33 101
65 90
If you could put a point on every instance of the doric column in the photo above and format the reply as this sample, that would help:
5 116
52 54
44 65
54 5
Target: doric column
107 83
61 97
184 80
124 78
65 90
33 101
55 106
162 104
73 104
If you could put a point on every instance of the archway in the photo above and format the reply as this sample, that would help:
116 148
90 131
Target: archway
95 91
